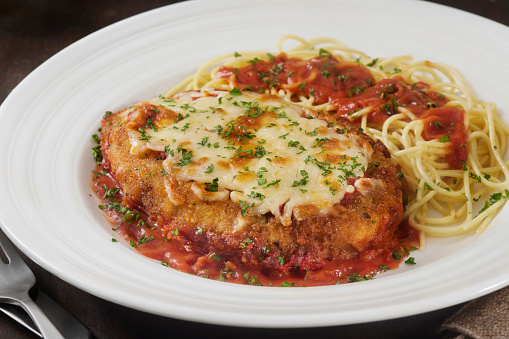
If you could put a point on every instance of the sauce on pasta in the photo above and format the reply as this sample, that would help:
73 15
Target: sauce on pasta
350 87
447 124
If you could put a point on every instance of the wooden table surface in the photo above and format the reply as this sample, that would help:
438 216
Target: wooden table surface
31 31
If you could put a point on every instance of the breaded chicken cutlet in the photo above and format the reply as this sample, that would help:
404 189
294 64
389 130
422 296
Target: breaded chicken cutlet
254 178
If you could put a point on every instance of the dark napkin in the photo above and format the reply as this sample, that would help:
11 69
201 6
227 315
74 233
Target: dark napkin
486 317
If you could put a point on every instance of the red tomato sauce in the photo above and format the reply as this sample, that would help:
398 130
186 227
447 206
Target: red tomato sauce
179 252
447 125
350 87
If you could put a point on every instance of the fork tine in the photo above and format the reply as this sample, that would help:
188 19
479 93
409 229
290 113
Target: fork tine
17 286
9 249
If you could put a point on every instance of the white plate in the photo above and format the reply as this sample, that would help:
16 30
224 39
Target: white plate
49 212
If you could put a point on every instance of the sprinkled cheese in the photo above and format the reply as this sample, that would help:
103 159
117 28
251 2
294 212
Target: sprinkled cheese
260 151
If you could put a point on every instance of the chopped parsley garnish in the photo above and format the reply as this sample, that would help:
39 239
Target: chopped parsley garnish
203 141
256 195
186 157
495 197
372 63
261 181
210 169
245 242
97 154
217 129
260 151
273 183
410 261
244 206
437 124
235 91
396 255
151 124
445 138
212 186
144 136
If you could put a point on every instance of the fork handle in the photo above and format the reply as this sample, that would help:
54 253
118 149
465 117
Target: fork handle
48 330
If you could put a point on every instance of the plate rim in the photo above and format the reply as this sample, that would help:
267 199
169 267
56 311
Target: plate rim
8 228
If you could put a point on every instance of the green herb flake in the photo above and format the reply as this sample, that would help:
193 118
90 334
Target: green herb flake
235 91
210 169
212 186
410 261
372 63
445 138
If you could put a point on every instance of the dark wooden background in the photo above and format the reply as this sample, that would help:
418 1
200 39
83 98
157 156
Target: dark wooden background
31 31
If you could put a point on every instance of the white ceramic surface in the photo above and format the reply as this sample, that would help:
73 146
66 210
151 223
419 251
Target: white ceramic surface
48 210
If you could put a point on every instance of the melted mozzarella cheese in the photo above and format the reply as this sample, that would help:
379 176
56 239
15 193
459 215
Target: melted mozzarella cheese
260 151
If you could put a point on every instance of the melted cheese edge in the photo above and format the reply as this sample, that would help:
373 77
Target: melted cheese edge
267 154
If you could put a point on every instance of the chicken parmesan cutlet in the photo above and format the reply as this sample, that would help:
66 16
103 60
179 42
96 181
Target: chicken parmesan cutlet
253 178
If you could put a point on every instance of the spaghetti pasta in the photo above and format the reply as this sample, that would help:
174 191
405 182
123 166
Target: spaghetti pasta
452 162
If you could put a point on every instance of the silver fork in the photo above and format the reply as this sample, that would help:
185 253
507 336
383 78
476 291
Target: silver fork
16 279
